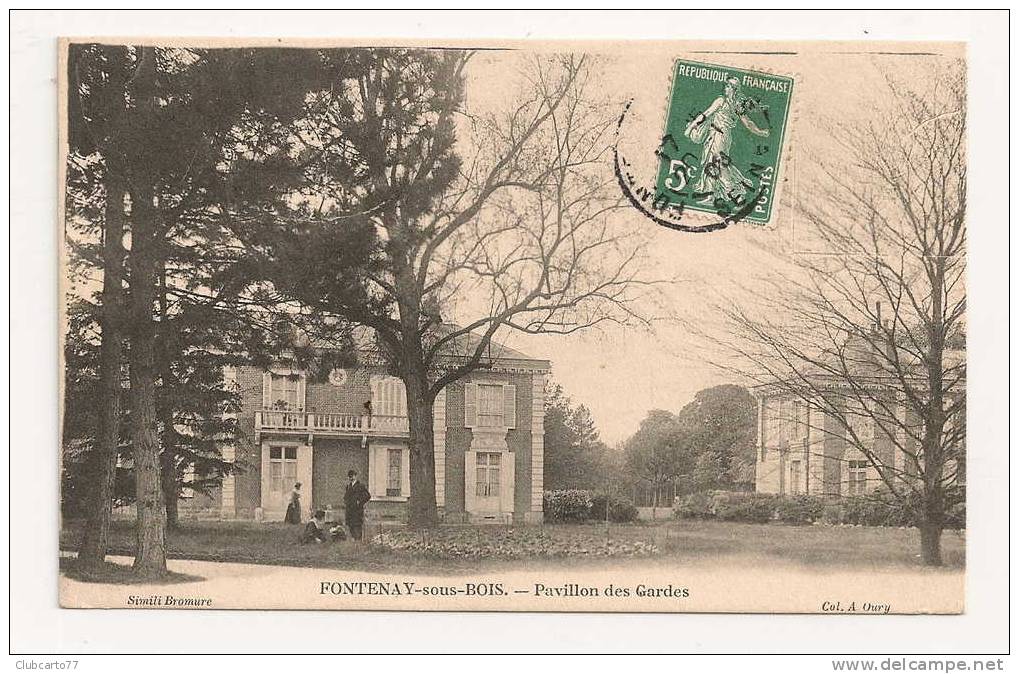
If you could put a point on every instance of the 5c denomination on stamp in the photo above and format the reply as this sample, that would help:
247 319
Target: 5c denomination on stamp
722 146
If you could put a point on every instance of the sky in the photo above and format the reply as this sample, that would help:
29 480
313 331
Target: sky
621 373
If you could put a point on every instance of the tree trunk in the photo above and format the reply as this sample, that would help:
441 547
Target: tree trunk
168 457
930 543
150 557
103 463
423 512
150 551
171 490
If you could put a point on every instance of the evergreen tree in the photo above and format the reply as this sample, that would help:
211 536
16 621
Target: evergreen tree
172 137
575 457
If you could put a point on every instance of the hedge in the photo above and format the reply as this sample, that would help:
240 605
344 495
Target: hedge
582 505
803 509
620 510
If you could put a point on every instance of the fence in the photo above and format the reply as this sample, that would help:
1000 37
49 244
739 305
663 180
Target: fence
654 496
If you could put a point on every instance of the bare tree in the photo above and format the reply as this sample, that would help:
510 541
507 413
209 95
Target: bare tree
516 235
889 223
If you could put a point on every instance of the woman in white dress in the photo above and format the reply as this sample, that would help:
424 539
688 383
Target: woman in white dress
713 129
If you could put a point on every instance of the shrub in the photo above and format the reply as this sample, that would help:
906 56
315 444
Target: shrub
878 509
955 518
567 505
620 510
698 505
799 509
757 508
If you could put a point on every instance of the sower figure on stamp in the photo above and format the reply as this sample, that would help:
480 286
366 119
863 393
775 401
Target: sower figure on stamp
713 129
354 500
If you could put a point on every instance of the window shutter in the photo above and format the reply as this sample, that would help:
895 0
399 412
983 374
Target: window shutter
304 476
266 390
509 405
405 472
375 395
377 456
507 470
470 405
399 400
470 480
266 484
301 402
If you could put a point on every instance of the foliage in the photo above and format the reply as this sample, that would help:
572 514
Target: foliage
756 508
709 444
873 510
567 505
619 510
575 458
582 505
511 543
660 450
720 423
77 484
800 509
682 544
158 142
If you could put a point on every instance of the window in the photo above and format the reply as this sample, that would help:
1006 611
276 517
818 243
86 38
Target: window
389 397
490 405
783 421
861 421
282 472
857 482
799 421
394 473
286 392
389 472
488 473
794 477
772 424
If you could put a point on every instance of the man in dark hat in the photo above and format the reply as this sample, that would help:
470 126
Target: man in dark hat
354 500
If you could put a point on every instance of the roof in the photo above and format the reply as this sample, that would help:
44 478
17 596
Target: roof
499 354
869 367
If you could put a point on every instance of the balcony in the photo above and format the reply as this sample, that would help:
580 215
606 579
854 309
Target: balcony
332 425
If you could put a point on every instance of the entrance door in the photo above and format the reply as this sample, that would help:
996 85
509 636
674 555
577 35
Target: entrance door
282 476
488 481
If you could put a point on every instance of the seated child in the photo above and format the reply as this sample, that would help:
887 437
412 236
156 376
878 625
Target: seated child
337 533
315 529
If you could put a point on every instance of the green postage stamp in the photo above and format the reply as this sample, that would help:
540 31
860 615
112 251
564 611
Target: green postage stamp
723 138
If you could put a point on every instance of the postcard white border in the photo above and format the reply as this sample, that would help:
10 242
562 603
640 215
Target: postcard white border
39 626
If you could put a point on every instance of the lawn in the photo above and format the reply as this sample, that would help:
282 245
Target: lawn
453 549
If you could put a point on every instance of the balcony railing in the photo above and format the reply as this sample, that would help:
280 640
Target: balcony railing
329 424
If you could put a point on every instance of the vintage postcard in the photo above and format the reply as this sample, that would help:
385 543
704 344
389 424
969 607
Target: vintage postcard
513 326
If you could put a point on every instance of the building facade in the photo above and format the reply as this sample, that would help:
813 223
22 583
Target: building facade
804 450
488 438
